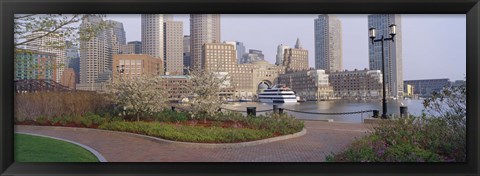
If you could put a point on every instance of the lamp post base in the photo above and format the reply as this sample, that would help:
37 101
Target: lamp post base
384 116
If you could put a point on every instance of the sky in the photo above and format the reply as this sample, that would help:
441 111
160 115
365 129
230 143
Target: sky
434 45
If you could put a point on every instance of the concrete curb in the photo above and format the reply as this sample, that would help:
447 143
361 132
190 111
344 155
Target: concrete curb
199 145
91 150
221 145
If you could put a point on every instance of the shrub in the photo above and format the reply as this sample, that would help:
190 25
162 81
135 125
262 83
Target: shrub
188 133
438 136
87 122
56 120
42 120
404 140
171 116
30 106
275 123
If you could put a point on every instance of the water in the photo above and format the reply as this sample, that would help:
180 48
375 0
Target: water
415 107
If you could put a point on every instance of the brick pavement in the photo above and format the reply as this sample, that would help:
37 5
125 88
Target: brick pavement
321 139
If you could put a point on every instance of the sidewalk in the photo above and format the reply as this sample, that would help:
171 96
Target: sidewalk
321 139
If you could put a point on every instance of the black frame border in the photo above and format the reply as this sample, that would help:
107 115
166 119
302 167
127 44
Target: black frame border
9 7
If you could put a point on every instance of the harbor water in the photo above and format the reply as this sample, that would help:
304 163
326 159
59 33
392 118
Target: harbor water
415 107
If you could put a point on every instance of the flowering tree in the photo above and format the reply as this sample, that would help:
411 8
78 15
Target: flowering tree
204 88
139 96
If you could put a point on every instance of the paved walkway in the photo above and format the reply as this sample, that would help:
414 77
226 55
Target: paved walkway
321 139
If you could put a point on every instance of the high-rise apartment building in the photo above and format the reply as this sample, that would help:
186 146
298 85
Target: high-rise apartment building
392 49
96 54
173 58
153 34
328 43
204 28
31 64
295 59
280 53
51 43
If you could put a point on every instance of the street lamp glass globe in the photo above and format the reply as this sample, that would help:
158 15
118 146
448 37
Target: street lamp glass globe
372 33
393 29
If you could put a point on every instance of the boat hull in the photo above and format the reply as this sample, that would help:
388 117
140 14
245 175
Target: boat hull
278 100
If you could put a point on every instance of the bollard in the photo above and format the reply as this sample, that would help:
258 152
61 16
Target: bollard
375 113
173 108
403 111
275 109
252 111
280 110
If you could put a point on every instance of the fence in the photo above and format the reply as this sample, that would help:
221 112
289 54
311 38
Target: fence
353 116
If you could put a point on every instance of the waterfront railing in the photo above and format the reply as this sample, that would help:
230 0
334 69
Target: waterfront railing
361 115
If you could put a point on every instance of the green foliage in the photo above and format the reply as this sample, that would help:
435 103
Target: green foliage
39 149
42 120
275 123
56 120
171 116
414 139
87 122
438 136
188 133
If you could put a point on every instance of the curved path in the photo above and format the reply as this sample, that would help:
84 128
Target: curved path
322 138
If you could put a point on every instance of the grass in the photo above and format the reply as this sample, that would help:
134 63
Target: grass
41 149
189 133
180 126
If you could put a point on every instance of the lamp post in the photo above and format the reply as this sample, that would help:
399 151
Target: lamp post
372 34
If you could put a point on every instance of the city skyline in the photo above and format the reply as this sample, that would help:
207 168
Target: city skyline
450 59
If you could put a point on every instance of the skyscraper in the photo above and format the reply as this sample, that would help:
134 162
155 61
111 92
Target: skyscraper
153 34
133 47
392 49
295 59
96 54
280 52
52 43
119 31
240 51
173 47
73 60
328 43
186 52
204 28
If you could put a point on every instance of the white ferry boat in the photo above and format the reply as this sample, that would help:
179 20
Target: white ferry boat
277 94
